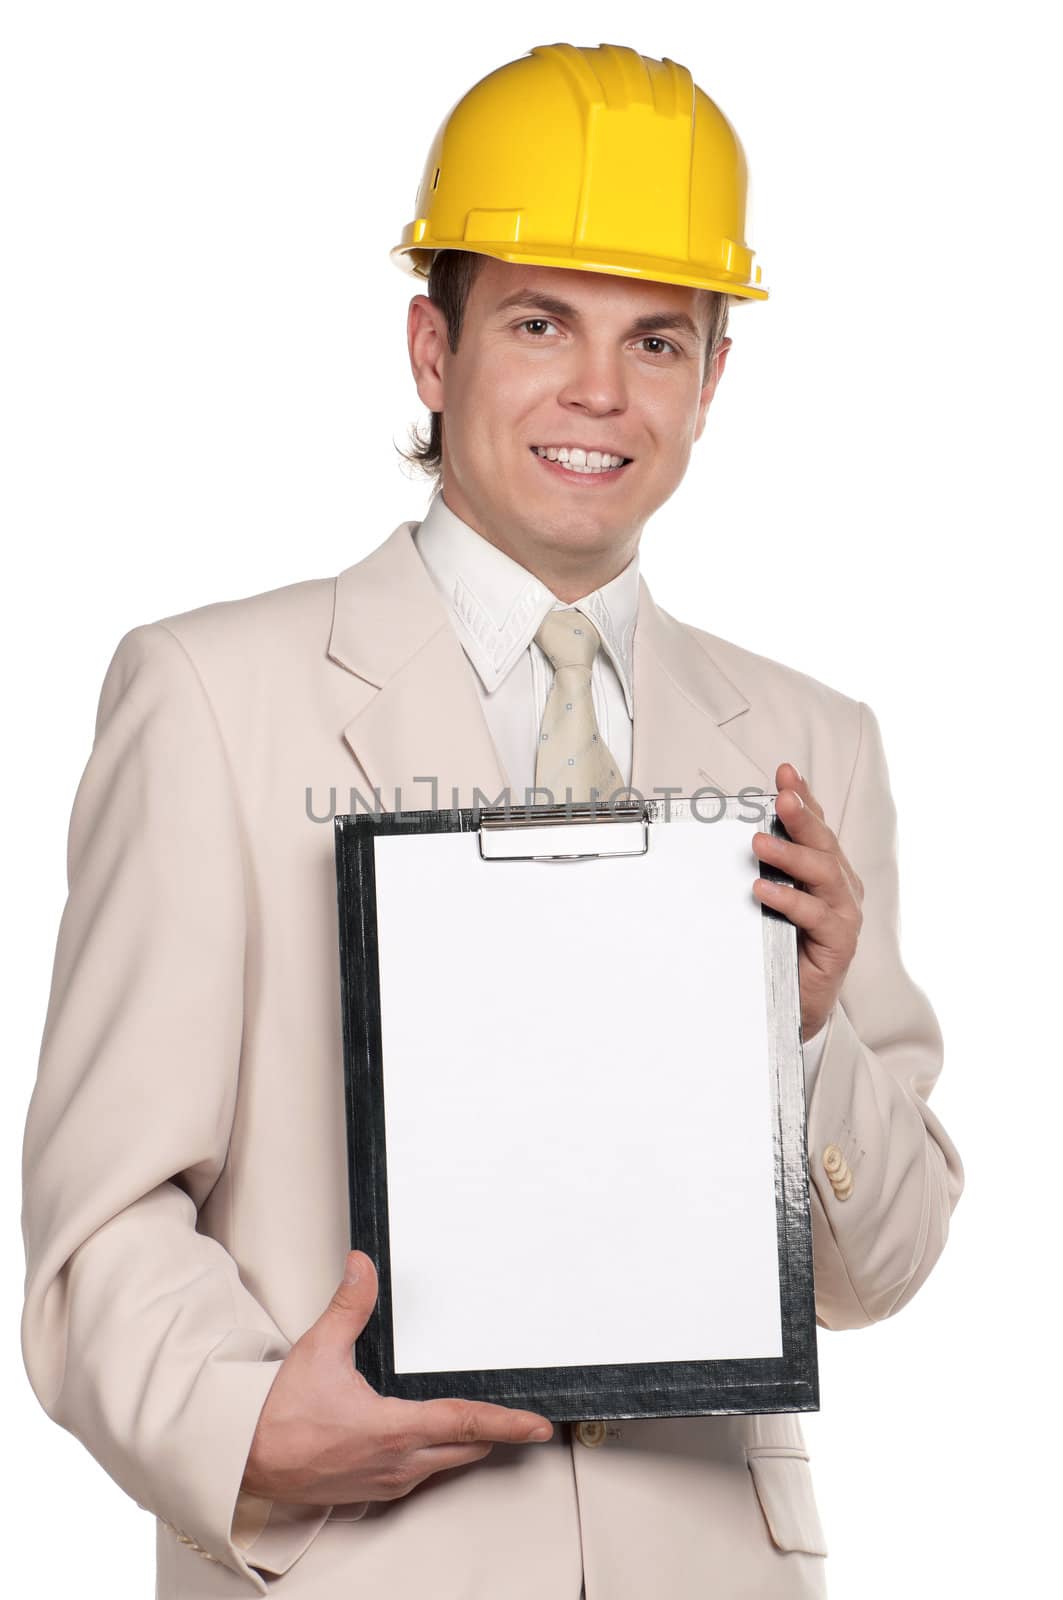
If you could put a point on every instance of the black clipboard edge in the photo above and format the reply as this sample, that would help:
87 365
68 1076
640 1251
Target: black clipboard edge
788 1383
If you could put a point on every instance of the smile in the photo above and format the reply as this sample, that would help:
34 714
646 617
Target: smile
577 470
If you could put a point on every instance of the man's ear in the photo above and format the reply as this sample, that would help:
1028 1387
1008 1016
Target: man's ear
426 337
716 366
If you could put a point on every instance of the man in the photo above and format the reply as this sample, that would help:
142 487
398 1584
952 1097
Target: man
185 1160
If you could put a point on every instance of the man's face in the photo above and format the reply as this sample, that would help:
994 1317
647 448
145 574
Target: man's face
558 357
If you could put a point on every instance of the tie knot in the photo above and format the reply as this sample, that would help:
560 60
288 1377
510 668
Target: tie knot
568 638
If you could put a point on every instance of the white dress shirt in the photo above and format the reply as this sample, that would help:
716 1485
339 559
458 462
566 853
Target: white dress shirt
496 607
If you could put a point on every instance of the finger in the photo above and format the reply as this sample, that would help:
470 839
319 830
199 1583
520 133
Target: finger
441 1457
797 802
820 870
810 913
787 776
471 1422
802 823
350 1308
806 828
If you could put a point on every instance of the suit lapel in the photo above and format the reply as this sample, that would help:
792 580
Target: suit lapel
418 730
417 715
683 698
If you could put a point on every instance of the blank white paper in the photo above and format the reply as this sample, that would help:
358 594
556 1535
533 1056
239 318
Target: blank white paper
577 1103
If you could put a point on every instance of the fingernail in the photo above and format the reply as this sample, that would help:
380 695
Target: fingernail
799 777
352 1271
540 1433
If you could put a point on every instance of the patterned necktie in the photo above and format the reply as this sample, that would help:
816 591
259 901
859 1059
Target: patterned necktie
571 754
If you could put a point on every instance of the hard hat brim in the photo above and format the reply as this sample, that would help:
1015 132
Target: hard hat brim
417 259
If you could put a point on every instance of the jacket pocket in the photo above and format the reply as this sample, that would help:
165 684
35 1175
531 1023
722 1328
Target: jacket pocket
782 1478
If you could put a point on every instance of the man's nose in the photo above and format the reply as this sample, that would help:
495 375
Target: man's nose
596 380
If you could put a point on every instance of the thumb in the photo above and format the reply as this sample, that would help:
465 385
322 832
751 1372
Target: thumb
351 1306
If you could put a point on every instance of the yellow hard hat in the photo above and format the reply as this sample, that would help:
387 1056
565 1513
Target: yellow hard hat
598 159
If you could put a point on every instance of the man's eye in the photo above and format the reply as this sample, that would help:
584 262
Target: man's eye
649 338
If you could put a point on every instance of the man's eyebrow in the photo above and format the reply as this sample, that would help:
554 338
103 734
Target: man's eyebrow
651 322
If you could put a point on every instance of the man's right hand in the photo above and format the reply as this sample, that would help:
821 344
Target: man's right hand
325 1437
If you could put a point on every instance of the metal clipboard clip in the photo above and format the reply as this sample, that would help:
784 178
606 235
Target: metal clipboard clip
509 835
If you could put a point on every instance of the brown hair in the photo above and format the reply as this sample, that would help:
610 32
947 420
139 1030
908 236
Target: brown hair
450 278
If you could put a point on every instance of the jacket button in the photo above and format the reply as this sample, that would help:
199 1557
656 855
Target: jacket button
833 1160
590 1433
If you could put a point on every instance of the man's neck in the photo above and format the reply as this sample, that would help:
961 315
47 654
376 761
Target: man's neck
568 575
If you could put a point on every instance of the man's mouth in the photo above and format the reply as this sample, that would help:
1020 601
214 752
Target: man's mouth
580 461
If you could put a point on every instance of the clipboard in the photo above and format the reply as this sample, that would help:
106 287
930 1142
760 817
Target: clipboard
574 1094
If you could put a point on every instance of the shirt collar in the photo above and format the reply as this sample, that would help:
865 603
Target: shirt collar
499 605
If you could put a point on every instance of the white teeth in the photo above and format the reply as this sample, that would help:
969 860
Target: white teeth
577 459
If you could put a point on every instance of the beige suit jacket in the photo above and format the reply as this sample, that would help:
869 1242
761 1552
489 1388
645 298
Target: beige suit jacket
185 1187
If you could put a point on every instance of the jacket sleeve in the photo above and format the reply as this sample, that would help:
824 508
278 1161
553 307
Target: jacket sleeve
881 1057
138 1335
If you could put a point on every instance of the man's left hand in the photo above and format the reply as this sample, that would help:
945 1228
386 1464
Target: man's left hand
824 902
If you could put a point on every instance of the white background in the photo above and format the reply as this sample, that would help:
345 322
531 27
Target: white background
203 377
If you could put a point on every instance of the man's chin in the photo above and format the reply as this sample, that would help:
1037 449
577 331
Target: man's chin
577 531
